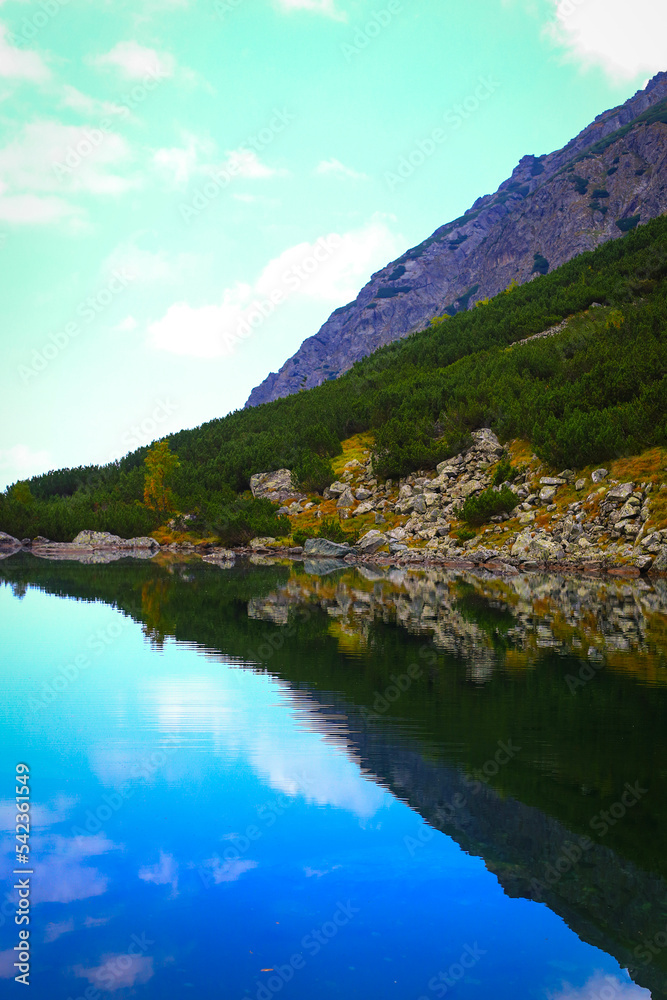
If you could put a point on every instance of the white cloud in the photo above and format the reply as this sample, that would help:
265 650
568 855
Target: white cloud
117 972
55 930
147 265
20 64
21 462
339 169
178 165
135 62
326 7
127 325
332 269
92 107
51 157
31 210
599 986
624 39
165 872
228 871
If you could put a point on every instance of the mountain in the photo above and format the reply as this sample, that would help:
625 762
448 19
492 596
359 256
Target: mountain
611 177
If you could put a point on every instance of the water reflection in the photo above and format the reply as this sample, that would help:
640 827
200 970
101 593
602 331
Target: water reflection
225 792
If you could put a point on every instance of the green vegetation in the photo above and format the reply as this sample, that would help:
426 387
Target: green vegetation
541 265
330 527
481 508
625 225
580 183
595 391
505 472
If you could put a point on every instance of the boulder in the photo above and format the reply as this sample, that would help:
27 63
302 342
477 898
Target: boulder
276 486
579 485
620 492
474 486
8 541
322 548
337 488
372 541
364 508
660 560
486 440
551 481
262 542
419 504
547 493
538 548
599 475
346 499
105 540
363 494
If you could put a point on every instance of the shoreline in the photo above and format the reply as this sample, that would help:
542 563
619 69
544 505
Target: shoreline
263 555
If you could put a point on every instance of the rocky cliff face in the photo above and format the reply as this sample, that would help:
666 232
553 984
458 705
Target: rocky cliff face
612 176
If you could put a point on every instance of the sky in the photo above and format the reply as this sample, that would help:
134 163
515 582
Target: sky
188 188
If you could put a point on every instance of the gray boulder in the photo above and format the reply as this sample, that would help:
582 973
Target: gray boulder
346 499
372 541
8 541
276 486
599 475
322 548
538 548
620 492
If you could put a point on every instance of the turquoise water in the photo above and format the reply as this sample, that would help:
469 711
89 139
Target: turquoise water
212 824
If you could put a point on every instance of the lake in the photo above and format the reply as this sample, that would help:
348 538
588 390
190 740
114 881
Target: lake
320 781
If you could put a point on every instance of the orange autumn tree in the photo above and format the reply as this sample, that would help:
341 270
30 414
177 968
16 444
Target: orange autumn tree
160 465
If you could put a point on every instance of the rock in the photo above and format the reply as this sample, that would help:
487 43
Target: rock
539 548
419 504
660 560
527 518
276 486
354 464
643 563
372 541
630 509
579 485
380 519
398 534
599 475
446 469
551 481
338 488
620 492
364 508
363 494
567 475
487 440
323 567
25 542
547 493
41 540
475 486
262 542
105 540
8 541
322 548
346 499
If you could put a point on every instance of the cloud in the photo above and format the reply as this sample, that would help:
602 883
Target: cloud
147 265
228 871
330 270
48 156
179 165
20 64
326 7
7 959
127 325
31 210
117 972
53 931
21 462
624 39
339 169
599 986
165 872
91 107
135 62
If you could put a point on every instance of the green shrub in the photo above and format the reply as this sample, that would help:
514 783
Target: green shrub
505 472
480 508
600 193
301 535
332 529
625 225
540 265
312 473
236 523
464 535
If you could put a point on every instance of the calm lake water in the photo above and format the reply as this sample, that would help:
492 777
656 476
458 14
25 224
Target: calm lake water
265 781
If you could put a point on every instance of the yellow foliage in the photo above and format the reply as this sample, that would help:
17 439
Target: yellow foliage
160 464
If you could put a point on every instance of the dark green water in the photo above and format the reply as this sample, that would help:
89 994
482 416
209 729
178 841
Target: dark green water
462 780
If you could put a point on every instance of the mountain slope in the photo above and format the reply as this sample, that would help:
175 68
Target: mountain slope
550 210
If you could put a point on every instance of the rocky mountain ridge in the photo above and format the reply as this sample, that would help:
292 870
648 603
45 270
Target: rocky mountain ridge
609 178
